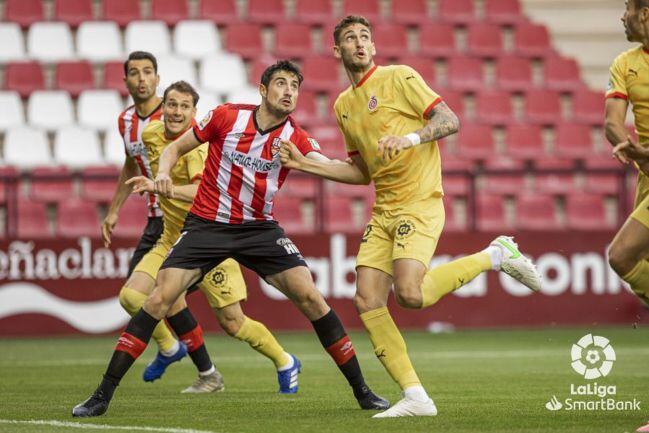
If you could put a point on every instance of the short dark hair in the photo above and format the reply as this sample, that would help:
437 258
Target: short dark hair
141 55
281 65
182 87
641 4
348 21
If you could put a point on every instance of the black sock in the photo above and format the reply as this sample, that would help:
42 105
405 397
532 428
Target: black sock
190 332
334 339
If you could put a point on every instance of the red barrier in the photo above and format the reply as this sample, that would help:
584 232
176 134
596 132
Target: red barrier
70 286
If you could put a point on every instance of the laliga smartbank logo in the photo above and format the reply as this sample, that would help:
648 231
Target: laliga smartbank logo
592 358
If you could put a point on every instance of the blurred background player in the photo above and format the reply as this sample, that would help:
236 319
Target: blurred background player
391 120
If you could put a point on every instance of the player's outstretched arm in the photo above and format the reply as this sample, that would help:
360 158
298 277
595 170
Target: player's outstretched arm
169 157
142 184
353 172
129 169
614 126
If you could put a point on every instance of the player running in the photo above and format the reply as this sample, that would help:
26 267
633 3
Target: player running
231 217
391 120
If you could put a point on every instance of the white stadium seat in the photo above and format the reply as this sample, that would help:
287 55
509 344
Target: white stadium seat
26 148
11 110
77 147
223 73
114 152
99 109
50 42
207 101
196 39
13 45
50 109
99 41
173 68
245 95
152 36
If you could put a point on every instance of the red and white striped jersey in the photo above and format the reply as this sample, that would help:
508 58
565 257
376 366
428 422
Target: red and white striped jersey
243 171
131 126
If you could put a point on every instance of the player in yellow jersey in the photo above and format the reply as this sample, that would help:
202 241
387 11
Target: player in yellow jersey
223 286
391 120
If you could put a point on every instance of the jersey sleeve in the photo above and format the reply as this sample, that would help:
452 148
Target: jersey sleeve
419 98
305 143
350 145
210 127
195 162
617 83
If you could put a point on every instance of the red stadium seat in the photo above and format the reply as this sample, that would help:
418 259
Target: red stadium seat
367 8
244 39
390 39
169 11
456 185
51 184
32 222
603 183
122 11
270 12
465 74
456 11
24 12
437 40
221 12
503 11
114 77
322 74
514 73
288 212
336 189
485 40
572 141
493 107
8 183
453 222
503 184
73 12
490 213
74 77
424 66
586 212
536 212
454 100
475 142
542 107
292 40
532 40
132 218
410 12
588 106
24 77
524 141
98 184
313 11
77 218
555 183
301 186
562 74
306 112
339 217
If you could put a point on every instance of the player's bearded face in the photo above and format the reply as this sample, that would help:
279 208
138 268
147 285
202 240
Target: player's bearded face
178 111
635 22
355 47
281 95
141 80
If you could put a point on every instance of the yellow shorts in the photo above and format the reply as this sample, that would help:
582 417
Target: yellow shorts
222 286
641 206
410 233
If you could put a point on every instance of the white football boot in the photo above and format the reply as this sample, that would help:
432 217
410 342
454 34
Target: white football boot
515 264
409 407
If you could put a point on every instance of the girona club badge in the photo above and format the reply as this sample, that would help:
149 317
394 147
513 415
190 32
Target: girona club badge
275 145
372 103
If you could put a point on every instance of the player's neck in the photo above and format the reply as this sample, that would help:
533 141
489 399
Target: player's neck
145 108
356 75
266 119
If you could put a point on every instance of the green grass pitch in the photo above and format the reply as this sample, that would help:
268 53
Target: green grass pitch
482 381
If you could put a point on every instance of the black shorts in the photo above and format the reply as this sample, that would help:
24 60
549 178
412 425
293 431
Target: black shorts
261 246
152 233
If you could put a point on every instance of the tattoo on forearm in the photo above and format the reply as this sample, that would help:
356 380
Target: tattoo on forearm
443 122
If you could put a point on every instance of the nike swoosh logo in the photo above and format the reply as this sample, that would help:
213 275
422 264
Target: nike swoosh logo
515 253
412 76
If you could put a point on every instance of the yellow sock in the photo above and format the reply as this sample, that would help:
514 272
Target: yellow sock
132 301
638 279
262 340
390 347
448 277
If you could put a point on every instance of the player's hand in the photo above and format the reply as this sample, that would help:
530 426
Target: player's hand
289 155
630 150
163 185
107 227
391 145
643 166
141 184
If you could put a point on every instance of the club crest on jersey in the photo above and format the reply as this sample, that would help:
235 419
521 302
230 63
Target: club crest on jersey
205 120
275 146
373 103
314 143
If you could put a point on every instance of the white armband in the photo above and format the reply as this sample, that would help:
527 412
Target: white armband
414 138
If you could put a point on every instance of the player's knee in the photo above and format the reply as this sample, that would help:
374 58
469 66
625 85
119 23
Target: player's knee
408 294
123 299
365 303
156 304
312 304
230 323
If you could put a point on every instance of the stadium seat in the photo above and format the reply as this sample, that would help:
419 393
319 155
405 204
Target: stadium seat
221 12
572 141
74 77
562 74
292 40
73 12
99 41
207 101
13 45
338 216
391 39
26 148
169 11
244 39
32 222
454 100
452 221
98 109
9 183
503 183
306 111
50 42
288 211
555 183
121 11
484 40
425 67
303 187
542 107
410 12
536 212
524 141
504 12
188 32
336 189
475 142
456 185
490 213
586 212
603 183
24 12
222 73
24 77
313 12
244 95
132 218
172 68
437 40
465 74
50 184
493 107
50 109
98 184
322 73
152 36
532 40
456 11
77 147
588 107
268 12
77 218
114 152
368 8
11 110
514 74
114 77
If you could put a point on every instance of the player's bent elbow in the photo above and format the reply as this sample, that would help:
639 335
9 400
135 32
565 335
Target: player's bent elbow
620 261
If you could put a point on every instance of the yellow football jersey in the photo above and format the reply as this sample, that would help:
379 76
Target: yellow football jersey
392 100
630 80
186 171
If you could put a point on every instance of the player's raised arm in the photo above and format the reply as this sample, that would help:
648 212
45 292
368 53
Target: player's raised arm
169 157
129 169
614 125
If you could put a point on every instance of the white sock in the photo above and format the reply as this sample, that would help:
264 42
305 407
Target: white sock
208 372
495 256
171 352
417 393
289 364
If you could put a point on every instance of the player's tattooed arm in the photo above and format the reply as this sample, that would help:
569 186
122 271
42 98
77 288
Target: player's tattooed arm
442 122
